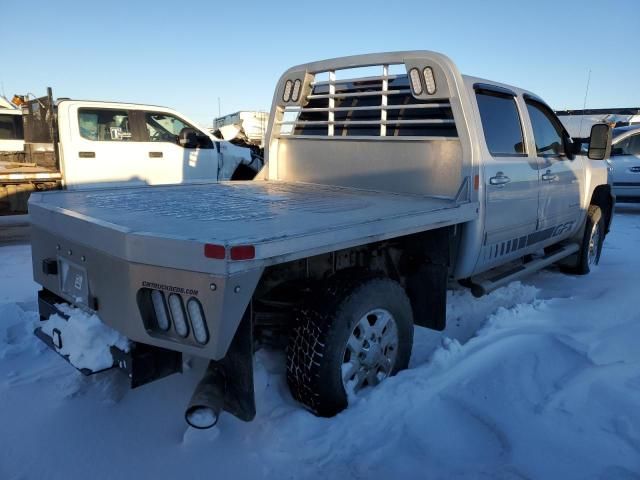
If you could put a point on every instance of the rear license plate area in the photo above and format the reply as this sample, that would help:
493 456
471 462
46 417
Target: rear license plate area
74 282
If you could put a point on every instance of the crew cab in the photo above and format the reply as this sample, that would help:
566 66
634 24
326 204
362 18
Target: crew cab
388 176
89 144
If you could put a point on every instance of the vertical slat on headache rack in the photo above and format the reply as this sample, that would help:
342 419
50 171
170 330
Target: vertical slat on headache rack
332 101
383 108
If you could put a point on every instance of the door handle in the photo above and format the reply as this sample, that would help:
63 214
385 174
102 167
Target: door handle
87 154
549 177
500 179
155 154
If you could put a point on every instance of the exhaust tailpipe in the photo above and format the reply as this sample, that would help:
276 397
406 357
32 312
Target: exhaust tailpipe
207 400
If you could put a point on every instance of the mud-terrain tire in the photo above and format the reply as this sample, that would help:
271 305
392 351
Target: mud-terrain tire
318 344
592 240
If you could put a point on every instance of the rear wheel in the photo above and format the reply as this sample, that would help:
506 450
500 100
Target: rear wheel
356 333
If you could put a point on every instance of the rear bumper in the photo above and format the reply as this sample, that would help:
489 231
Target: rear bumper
142 363
115 291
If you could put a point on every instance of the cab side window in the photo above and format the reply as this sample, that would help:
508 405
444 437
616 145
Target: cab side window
547 131
162 127
105 125
501 123
628 146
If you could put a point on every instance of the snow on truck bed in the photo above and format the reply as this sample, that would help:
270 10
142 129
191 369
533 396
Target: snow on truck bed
273 216
537 380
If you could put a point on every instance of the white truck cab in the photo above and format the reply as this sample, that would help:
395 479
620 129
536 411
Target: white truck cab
114 143
79 144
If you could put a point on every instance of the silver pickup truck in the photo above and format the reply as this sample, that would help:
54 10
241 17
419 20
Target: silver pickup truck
388 176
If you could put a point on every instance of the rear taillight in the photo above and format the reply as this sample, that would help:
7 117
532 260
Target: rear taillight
215 251
243 252
196 315
239 252
160 310
178 316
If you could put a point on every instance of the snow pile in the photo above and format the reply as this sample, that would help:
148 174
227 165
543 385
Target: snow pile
539 380
85 339
16 277
16 326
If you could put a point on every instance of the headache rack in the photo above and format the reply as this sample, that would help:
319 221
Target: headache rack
372 106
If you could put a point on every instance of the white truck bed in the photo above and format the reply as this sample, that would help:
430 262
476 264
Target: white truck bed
12 171
169 225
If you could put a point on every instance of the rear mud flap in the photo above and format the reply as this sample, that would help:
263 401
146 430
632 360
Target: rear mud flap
142 363
239 398
227 384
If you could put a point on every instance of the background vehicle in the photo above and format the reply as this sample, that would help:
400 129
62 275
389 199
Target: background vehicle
89 144
579 122
625 159
248 127
380 188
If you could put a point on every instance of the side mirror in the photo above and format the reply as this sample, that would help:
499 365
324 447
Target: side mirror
600 142
188 138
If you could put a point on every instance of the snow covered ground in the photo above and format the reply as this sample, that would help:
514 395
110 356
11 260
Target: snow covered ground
540 379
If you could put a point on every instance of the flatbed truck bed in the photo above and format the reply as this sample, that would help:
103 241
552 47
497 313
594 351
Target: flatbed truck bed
281 220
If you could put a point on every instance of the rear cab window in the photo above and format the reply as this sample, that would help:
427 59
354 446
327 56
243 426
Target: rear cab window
501 123
11 127
104 125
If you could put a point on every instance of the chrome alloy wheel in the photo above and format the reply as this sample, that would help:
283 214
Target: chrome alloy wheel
594 243
370 354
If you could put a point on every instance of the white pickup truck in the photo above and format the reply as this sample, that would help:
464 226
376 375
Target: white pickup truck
78 144
379 190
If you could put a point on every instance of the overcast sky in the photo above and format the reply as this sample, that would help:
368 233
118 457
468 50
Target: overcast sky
186 55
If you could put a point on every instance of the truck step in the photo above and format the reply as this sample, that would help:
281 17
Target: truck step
489 281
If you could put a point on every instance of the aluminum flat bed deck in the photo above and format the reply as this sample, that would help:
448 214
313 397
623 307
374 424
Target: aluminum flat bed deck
169 225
